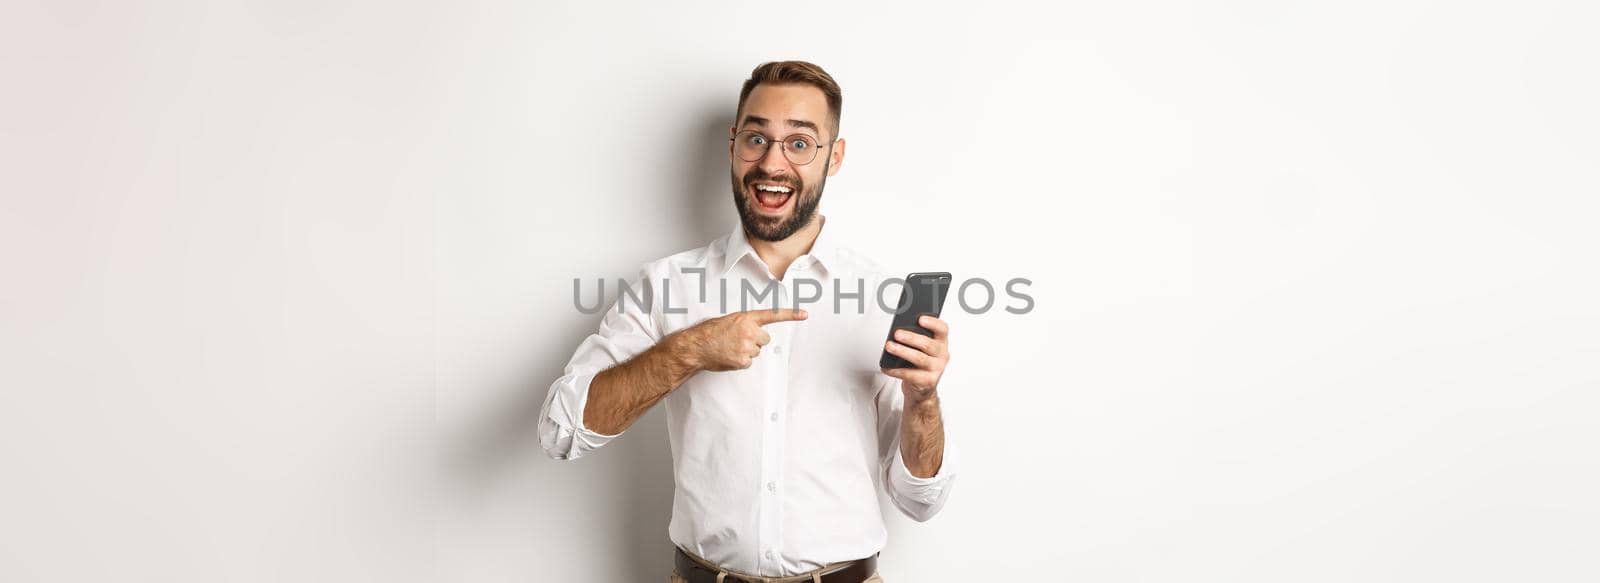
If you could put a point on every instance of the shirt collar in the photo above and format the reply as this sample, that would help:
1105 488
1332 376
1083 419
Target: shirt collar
823 252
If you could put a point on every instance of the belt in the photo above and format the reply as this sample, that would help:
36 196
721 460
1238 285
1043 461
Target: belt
694 571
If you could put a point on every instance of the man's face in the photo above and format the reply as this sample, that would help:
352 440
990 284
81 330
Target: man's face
775 196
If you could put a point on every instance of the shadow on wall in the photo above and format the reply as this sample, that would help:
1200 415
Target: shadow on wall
629 481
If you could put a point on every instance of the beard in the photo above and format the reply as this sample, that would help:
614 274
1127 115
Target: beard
777 228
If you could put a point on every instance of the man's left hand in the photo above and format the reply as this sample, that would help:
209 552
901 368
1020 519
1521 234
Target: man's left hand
929 356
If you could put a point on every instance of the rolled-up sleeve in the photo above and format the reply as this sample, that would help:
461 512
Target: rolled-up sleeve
918 498
627 329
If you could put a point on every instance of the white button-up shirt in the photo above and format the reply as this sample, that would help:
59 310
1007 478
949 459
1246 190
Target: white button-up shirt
778 466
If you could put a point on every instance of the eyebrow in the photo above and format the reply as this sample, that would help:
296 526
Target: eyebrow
795 123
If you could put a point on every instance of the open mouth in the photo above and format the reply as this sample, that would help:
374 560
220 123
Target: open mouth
771 198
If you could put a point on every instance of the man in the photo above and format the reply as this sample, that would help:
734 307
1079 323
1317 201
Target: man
783 429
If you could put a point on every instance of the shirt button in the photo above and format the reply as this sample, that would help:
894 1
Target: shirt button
778 349
772 486
774 415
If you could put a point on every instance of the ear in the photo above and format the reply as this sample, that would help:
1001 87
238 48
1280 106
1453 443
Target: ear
733 132
836 158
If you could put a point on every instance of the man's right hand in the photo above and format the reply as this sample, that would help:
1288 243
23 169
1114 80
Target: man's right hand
733 341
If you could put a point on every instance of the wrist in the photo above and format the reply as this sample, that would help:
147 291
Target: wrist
923 405
680 350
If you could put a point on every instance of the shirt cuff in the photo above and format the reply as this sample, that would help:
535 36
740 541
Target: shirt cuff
566 437
581 386
923 490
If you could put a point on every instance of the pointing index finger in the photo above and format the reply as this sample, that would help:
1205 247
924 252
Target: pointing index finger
764 317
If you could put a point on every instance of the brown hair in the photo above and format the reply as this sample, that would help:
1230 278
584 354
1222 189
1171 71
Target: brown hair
795 72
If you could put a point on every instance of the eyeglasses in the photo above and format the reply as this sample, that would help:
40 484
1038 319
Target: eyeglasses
752 146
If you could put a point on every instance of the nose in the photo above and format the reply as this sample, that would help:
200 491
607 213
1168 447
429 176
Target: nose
774 161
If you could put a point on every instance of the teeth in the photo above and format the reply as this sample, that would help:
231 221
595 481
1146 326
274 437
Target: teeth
771 188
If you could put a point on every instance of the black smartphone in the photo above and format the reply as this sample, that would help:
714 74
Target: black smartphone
923 294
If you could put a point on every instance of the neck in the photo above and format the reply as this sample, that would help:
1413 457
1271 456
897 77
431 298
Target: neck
779 254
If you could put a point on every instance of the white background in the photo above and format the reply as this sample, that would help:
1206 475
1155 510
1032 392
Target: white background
284 283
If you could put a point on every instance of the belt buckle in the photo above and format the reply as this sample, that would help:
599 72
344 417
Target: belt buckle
738 579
